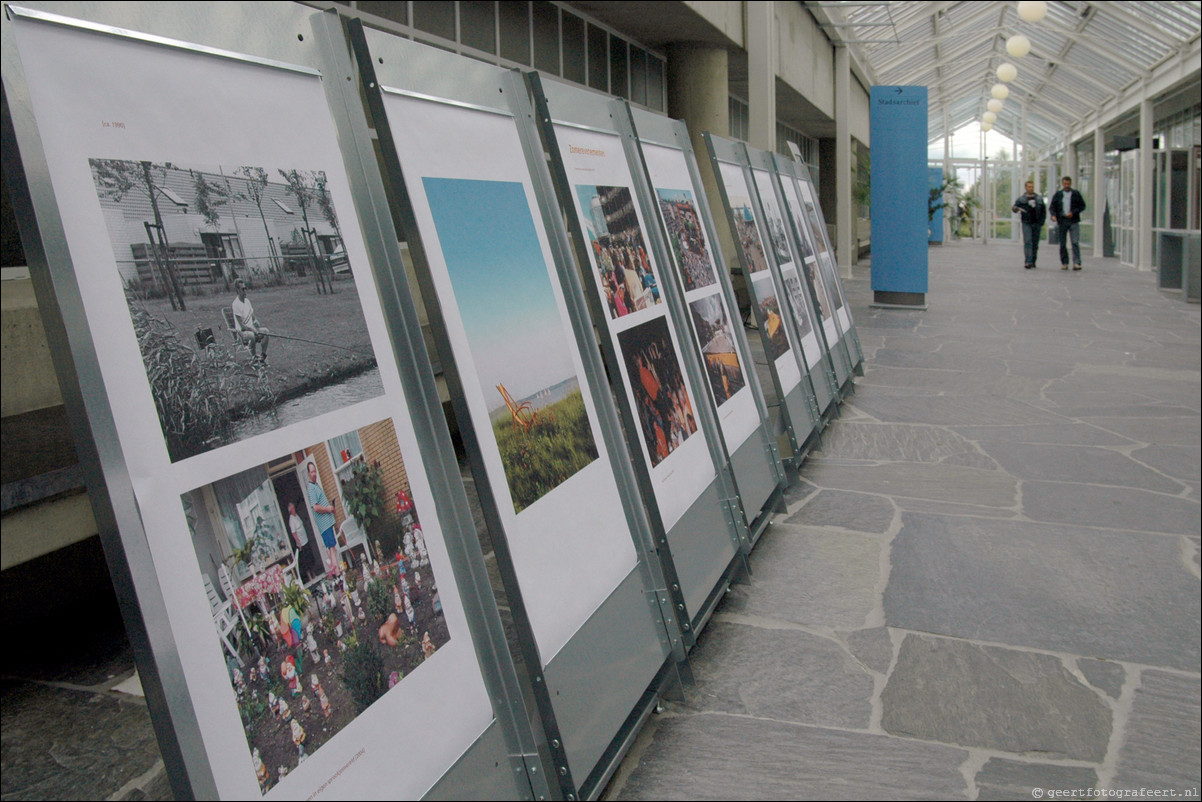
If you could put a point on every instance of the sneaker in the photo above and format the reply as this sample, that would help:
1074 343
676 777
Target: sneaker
1028 266
1076 267
1064 266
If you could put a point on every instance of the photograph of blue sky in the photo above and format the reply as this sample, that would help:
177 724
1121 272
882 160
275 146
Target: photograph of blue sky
501 285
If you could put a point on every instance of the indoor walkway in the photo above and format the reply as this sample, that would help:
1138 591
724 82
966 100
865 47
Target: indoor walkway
987 580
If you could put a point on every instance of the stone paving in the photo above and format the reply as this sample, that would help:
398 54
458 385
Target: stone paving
986 584
986 580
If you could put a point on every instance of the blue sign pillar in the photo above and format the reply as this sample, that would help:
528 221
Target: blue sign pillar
935 201
900 195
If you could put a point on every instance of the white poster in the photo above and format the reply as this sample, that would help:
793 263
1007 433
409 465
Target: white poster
237 330
626 278
522 374
826 257
777 342
809 258
713 320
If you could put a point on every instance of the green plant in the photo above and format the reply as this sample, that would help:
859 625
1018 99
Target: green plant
363 673
296 597
195 392
556 447
363 494
379 599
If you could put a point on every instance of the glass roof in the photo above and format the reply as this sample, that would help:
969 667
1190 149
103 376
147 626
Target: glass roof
1083 54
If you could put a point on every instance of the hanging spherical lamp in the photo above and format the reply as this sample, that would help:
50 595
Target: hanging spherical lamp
989 117
1007 72
994 105
1018 45
986 126
1000 91
1032 10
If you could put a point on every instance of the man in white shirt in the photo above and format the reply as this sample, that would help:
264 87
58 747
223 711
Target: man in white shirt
248 326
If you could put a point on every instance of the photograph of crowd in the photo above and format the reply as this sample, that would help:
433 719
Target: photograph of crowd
320 587
619 254
776 339
717 339
241 295
687 238
801 309
661 399
519 345
749 235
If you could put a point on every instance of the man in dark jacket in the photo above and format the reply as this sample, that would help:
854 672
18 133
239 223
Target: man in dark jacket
1066 207
1030 207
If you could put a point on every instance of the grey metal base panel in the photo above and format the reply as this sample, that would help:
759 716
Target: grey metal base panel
754 475
701 547
597 678
478 774
825 395
801 416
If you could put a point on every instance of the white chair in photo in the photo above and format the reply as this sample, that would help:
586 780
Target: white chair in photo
221 617
227 587
351 536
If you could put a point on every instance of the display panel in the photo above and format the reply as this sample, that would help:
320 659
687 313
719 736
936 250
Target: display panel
713 320
523 380
763 290
626 280
826 258
788 268
112 108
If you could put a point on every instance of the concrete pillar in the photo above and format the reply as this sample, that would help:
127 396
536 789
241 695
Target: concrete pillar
1099 192
761 75
1143 192
845 214
698 93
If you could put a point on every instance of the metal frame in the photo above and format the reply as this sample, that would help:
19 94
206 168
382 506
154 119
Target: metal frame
797 171
581 716
697 551
826 390
74 352
799 409
746 462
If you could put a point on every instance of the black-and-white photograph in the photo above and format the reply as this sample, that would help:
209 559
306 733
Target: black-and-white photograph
801 309
241 295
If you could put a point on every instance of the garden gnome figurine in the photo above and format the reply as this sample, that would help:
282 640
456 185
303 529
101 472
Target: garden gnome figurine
428 646
288 672
239 683
410 613
260 770
285 710
298 736
311 644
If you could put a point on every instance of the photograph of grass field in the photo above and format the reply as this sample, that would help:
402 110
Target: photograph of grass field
518 340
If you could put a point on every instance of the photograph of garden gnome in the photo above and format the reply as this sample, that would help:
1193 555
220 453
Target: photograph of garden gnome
519 346
314 634
687 238
241 295
619 253
661 399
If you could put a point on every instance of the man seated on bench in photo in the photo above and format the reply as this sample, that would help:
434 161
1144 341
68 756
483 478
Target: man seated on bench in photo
249 328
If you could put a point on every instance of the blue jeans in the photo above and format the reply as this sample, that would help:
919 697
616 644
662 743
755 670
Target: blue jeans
1072 230
1031 235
